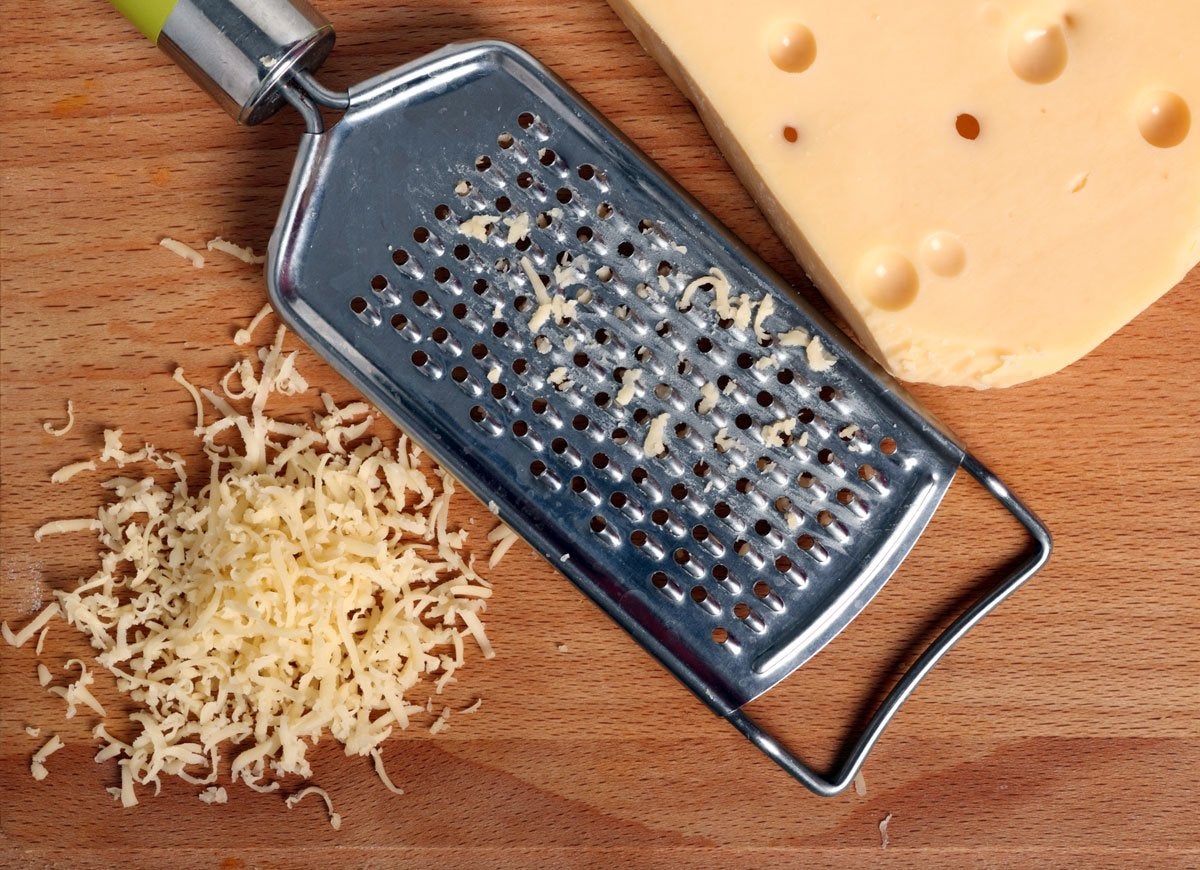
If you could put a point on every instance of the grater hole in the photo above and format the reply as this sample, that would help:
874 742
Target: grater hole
524 180
806 542
700 533
659 580
683 430
559 445
845 497
503 203
867 472
828 394
603 399
601 461
547 157
479 351
604 211
540 406
420 235
420 298
580 422
704 344
542 344
741 610
598 524
742 547
587 172
663 329
722 510
537 468
620 437
543 220
580 359
505 140
499 391
762 528
522 304
478 415
520 366
480 286
785 376
806 480
458 374
699 594
578 485
888 446
664 269
440 335
682 557
525 120
679 492
783 564
762 589
605 273
745 360
441 274
625 249
765 398
701 469
720 573
783 504
639 538
461 252
358 305
379 283
483 163
399 321
441 211
825 456
500 329
825 518
400 256
463 188
584 234
743 421
618 500
660 517
563 195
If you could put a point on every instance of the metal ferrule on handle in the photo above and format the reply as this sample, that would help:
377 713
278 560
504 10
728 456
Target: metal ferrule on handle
242 52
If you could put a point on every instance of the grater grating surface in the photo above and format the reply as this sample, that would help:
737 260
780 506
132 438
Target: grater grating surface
767 523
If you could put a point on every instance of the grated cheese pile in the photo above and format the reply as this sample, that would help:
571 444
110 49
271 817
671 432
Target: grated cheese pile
309 585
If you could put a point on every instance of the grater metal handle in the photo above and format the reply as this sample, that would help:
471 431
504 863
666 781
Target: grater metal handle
242 52
845 772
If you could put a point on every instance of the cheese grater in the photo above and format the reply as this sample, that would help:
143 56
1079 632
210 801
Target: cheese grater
562 327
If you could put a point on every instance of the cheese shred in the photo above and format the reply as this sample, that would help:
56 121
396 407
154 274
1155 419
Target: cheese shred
59 431
335 821
306 584
180 249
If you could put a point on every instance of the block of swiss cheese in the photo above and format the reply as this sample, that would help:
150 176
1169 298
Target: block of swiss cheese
984 190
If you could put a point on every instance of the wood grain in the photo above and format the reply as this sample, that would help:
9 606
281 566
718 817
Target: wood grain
1063 731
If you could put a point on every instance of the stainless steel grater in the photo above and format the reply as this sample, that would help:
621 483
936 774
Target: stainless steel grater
787 490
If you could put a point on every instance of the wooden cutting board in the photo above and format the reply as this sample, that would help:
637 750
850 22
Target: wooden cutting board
1063 732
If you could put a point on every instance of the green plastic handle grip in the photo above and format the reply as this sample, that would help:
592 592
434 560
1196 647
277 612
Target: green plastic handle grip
148 16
